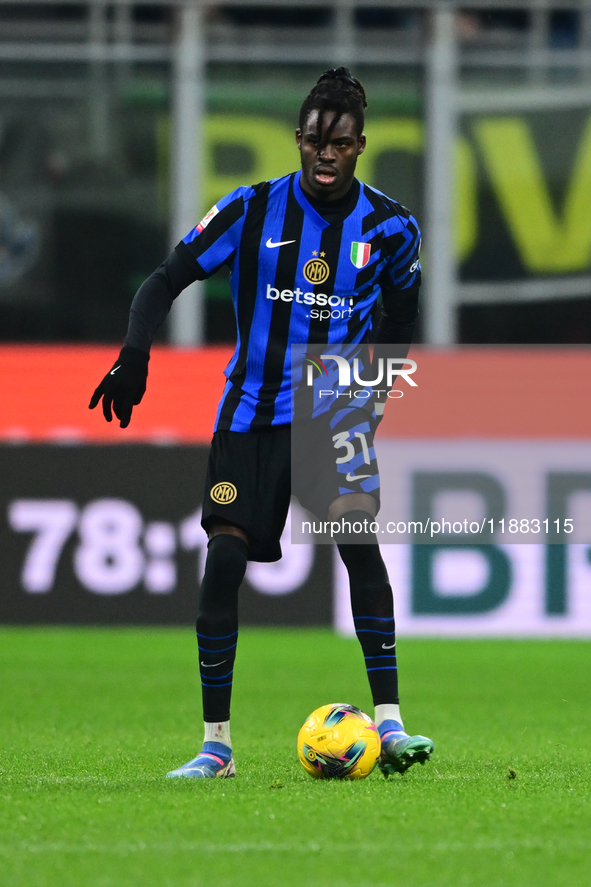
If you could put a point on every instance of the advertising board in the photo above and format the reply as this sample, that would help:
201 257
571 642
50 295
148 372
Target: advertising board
453 580
112 535
95 531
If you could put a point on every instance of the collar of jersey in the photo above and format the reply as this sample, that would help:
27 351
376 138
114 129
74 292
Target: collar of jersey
306 206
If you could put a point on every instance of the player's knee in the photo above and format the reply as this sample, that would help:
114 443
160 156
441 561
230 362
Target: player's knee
225 566
226 530
226 552
353 502
355 527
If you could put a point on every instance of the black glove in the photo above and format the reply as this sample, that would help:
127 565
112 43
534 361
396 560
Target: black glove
123 386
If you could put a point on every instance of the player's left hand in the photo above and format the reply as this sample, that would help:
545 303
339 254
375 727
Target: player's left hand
124 385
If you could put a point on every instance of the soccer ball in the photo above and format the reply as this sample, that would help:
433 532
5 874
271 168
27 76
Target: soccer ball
339 741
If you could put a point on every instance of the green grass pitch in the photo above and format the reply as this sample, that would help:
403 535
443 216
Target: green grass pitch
91 720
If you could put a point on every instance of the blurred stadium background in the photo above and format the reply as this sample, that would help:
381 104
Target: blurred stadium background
121 123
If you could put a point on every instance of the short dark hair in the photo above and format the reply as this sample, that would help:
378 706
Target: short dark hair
336 90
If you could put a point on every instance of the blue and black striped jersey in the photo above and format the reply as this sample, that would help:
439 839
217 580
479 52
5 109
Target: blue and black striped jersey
296 278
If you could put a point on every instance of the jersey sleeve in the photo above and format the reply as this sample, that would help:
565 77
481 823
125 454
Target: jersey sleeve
214 241
152 301
400 281
403 268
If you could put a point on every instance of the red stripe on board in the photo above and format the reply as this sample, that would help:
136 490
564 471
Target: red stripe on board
494 392
45 393
466 392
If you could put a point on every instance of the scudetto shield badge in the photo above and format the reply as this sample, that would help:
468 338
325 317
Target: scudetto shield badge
360 253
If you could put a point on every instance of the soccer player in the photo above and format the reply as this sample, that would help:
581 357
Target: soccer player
295 245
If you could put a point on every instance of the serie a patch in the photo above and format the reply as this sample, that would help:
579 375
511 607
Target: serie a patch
207 219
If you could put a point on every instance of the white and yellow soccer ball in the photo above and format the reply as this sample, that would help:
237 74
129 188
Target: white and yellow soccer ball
339 741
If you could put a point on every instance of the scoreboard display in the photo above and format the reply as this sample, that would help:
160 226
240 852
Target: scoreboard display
94 534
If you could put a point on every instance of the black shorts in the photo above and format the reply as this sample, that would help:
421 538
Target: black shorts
249 481
332 455
248 484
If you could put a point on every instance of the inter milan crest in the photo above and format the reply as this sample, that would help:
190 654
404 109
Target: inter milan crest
316 271
360 253
223 493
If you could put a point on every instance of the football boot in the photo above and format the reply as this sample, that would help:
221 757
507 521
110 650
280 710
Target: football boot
213 761
399 750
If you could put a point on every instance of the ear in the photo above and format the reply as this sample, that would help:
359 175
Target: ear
362 143
298 136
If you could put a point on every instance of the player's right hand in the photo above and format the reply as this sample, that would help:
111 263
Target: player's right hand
124 385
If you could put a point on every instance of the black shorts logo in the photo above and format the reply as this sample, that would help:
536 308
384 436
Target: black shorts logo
223 493
316 271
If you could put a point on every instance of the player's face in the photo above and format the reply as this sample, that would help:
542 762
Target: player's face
328 170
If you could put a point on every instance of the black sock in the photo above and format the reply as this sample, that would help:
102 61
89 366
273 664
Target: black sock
217 622
373 613
356 529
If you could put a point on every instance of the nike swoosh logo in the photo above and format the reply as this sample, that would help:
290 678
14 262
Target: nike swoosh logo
351 477
388 646
272 245
112 373
213 664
